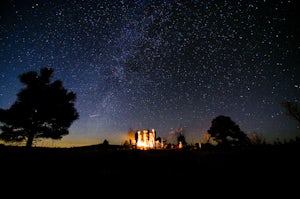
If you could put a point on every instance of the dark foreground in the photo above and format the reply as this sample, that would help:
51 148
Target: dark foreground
257 170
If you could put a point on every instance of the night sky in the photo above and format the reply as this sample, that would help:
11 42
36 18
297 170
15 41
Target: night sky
158 64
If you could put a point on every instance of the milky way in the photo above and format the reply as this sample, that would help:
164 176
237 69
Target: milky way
158 64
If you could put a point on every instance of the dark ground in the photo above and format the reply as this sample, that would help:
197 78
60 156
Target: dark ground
269 170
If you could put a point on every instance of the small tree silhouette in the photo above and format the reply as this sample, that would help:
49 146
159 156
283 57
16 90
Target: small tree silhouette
181 139
105 142
43 109
226 132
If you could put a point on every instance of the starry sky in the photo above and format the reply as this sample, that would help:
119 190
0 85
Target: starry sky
158 64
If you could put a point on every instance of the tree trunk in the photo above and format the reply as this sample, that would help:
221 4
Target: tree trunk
30 139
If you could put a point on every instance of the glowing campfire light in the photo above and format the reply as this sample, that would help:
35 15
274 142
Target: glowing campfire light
146 139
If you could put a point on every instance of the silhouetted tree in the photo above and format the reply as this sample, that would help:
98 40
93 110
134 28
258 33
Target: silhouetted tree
158 139
292 109
197 146
181 138
226 132
43 109
105 142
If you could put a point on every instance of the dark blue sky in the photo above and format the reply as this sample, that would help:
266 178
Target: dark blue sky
158 64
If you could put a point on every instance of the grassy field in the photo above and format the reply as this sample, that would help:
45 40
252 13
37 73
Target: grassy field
260 168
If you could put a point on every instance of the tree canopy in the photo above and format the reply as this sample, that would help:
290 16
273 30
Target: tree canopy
43 109
226 132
